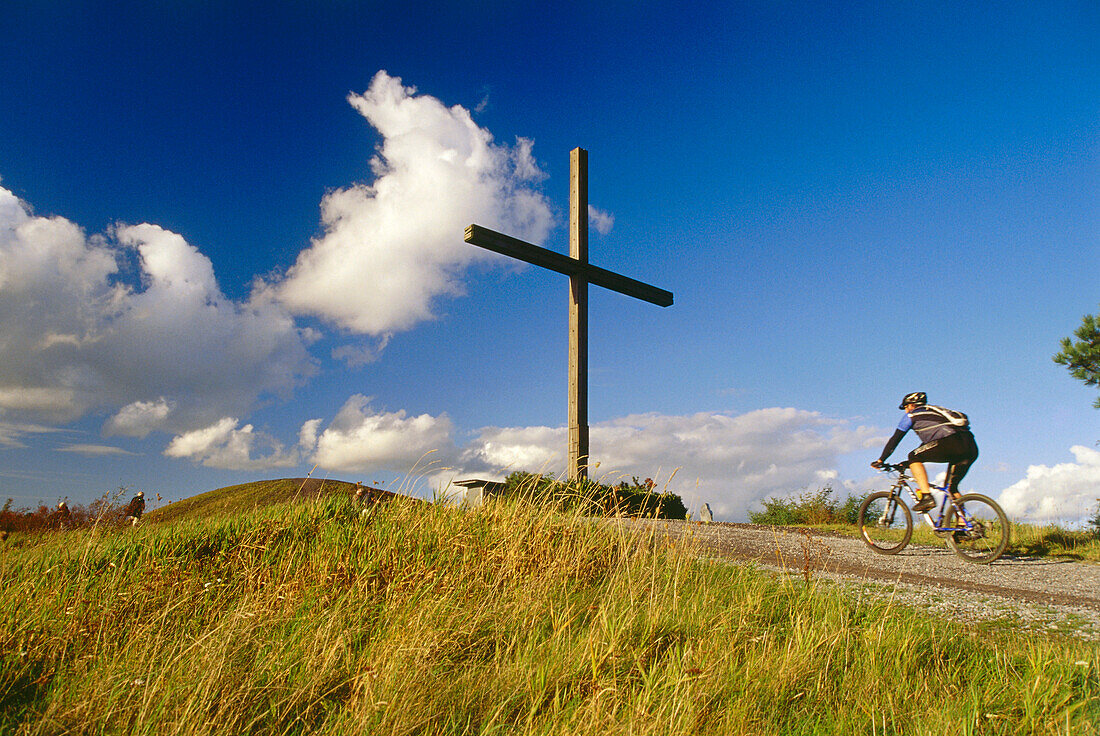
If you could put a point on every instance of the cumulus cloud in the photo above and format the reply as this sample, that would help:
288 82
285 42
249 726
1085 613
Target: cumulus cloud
133 321
602 221
361 439
226 446
307 435
139 418
728 461
536 449
54 289
1066 492
390 249
76 336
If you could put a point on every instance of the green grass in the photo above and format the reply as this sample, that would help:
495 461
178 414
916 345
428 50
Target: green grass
1052 541
248 496
423 619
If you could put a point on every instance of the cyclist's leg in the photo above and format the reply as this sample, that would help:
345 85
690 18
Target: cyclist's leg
920 475
928 452
965 453
955 473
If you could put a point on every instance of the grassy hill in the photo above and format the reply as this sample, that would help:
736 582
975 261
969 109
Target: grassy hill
415 618
250 496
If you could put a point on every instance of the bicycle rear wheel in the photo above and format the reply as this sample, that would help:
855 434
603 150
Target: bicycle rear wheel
885 523
987 529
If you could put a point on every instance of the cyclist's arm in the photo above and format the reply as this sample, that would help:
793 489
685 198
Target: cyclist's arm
891 445
904 426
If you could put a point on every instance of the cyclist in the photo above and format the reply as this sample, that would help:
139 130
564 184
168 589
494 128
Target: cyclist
945 438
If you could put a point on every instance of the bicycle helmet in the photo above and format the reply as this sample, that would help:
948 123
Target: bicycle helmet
917 397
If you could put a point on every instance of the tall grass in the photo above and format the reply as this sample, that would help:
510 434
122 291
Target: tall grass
1049 540
416 619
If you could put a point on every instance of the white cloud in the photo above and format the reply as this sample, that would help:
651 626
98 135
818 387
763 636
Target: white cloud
356 356
362 440
602 221
95 450
75 336
390 249
223 445
133 321
728 461
535 449
307 435
11 432
139 418
37 399
1066 492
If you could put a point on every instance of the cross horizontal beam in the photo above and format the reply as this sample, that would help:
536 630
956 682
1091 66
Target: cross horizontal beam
515 248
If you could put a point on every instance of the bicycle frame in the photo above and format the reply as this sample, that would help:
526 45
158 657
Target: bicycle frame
937 522
977 529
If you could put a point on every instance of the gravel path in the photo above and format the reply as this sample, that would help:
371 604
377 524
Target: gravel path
1038 594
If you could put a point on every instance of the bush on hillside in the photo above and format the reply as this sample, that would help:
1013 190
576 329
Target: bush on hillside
109 509
637 498
816 507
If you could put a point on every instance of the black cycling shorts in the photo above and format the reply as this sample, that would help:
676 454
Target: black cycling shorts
958 449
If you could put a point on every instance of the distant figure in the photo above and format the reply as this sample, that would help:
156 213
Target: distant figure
3 534
62 515
134 510
362 498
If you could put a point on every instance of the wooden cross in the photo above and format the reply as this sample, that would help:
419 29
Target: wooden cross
581 273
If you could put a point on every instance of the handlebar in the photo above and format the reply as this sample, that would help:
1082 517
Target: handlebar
892 468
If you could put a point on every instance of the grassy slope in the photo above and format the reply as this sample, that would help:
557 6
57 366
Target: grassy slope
1027 539
250 496
417 618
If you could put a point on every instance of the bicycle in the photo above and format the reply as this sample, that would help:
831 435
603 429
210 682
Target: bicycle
974 526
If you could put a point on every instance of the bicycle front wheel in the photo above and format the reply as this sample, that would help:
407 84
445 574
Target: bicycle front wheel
982 529
885 523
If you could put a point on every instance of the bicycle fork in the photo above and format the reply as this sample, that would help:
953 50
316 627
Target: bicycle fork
887 518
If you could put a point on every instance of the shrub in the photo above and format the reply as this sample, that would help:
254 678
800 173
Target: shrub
107 509
637 498
816 507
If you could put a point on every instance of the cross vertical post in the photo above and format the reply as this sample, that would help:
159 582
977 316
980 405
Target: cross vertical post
578 316
581 273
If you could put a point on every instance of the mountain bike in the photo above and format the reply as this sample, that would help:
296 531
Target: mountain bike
974 525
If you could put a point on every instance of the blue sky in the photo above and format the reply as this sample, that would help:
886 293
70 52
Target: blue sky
231 241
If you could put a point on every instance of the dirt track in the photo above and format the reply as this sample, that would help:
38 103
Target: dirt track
1037 593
